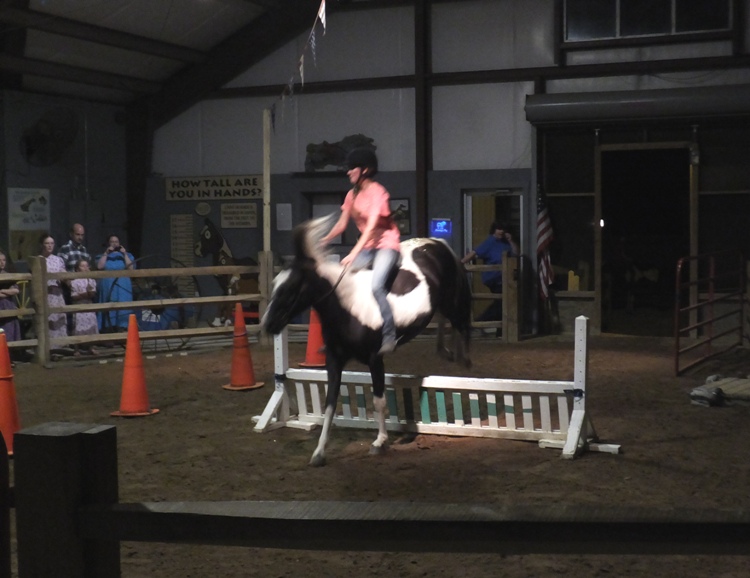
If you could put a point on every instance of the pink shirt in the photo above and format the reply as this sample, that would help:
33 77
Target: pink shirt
373 199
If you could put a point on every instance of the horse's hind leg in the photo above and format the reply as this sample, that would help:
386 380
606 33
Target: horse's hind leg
377 372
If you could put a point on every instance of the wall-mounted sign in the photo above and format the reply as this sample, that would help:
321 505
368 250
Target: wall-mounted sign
441 227
28 219
239 215
28 209
233 187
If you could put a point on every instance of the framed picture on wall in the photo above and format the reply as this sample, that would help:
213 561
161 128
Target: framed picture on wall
401 215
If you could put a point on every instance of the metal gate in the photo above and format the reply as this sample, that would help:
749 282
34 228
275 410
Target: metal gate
709 307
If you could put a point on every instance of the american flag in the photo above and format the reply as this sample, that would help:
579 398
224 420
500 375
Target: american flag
543 240
312 47
322 15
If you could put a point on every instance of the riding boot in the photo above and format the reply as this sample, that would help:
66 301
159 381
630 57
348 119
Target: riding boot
388 344
389 341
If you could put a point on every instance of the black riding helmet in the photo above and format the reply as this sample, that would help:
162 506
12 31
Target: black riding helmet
363 158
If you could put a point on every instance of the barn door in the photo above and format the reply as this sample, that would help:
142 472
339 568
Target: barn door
645 205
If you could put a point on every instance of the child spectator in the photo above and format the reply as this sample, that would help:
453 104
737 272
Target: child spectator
83 291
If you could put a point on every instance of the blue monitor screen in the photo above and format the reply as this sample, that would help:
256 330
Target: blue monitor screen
441 227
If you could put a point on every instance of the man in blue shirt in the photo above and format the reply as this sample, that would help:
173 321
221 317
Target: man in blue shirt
491 251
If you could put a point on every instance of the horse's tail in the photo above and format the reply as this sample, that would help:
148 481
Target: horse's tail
463 307
456 306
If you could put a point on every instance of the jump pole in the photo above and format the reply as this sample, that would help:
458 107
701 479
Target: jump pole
501 408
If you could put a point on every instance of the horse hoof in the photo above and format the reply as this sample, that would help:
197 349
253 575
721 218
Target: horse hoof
446 354
317 461
377 450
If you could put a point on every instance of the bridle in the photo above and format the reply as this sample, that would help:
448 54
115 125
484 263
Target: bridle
327 294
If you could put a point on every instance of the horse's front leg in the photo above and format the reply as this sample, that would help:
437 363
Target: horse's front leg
377 372
334 385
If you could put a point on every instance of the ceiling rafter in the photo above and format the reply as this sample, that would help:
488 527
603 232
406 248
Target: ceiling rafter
22 65
66 27
266 4
248 46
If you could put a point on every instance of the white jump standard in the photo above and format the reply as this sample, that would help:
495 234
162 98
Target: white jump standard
553 413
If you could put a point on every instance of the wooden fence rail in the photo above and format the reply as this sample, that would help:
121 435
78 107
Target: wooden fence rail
38 309
69 522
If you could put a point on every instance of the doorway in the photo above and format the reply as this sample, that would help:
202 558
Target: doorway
482 207
645 229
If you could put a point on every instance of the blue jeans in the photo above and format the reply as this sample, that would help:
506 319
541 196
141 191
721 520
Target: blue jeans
495 310
383 262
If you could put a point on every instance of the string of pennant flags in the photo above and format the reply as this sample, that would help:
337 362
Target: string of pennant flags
288 91
544 226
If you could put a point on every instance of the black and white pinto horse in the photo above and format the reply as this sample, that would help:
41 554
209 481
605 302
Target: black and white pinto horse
430 280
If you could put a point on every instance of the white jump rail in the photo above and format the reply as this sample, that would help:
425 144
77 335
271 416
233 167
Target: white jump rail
553 413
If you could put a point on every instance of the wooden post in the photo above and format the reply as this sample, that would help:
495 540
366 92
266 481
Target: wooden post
267 179
58 468
510 299
41 305
265 282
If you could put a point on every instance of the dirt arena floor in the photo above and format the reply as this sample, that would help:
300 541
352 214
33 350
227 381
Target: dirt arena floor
201 447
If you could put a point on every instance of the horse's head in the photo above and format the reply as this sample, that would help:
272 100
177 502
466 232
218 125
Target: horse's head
298 287
210 240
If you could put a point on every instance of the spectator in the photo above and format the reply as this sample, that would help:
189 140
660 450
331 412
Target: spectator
8 292
491 251
115 289
74 251
56 322
71 253
83 291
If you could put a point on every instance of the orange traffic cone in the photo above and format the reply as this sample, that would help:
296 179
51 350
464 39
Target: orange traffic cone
134 399
243 376
9 422
315 355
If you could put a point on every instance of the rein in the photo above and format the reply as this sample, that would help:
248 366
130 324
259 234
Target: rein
329 293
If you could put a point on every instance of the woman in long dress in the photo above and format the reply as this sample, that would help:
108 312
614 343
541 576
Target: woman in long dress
115 289
8 293
57 322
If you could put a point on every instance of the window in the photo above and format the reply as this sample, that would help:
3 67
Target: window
692 16
639 17
611 19
590 19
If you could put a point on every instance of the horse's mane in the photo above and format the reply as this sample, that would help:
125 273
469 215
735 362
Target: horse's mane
307 238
